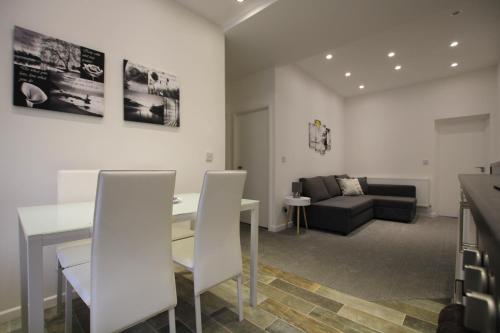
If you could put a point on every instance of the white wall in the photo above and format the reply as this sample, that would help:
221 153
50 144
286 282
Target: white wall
250 93
299 100
34 144
496 129
294 99
391 133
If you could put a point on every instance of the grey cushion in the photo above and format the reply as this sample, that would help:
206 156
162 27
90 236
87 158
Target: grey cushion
363 181
314 188
352 205
332 186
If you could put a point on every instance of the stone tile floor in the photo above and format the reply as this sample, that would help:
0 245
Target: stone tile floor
286 303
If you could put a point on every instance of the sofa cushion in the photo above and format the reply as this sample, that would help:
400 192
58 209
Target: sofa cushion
363 181
391 201
350 186
314 188
351 205
332 186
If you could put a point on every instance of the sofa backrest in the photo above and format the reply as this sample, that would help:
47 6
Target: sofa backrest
315 189
332 186
409 191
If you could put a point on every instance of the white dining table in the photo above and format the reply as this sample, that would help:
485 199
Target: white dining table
41 226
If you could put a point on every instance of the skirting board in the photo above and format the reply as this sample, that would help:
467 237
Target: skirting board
278 228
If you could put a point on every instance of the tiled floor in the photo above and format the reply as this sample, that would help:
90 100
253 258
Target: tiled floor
286 303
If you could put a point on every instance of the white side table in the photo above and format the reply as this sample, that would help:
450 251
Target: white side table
298 202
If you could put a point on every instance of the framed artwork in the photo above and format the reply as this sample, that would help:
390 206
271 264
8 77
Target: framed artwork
320 138
52 74
150 96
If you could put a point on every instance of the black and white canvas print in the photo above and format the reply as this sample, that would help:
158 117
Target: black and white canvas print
320 138
52 74
150 96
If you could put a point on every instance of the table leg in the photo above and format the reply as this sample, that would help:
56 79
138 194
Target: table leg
254 253
305 216
298 220
34 270
23 263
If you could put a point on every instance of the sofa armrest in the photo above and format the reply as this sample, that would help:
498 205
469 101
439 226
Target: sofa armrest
393 190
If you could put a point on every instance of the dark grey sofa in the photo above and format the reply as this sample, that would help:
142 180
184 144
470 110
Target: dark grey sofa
332 211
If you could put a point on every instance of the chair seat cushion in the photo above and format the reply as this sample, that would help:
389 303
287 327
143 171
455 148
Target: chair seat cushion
74 253
391 201
183 252
352 204
79 277
181 230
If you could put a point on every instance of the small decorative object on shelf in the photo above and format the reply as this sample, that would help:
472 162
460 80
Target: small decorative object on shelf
296 189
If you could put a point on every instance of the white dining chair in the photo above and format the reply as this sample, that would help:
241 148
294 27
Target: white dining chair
130 276
214 254
73 186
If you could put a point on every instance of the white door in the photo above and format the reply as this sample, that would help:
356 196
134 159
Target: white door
251 153
462 148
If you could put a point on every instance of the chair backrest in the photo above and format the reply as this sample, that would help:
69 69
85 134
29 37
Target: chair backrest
132 272
76 185
217 249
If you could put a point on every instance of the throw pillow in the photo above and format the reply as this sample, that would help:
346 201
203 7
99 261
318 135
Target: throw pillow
363 181
332 186
350 186
315 189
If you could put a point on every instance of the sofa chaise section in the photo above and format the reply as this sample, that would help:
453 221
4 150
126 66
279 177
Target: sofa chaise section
332 211
340 214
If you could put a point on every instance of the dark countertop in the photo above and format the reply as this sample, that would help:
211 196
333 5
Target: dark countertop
480 192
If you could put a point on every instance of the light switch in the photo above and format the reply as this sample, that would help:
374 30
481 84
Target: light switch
210 157
425 162
283 159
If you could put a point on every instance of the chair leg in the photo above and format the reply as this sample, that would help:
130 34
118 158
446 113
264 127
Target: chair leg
59 288
171 320
240 299
197 310
68 322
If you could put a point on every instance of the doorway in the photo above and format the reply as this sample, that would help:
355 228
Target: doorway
462 147
251 153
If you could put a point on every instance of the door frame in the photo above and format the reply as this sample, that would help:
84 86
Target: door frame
436 183
270 169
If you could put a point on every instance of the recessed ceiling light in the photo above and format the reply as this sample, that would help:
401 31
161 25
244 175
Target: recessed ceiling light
454 44
397 67
454 64
240 0
347 74
329 56
361 86
391 54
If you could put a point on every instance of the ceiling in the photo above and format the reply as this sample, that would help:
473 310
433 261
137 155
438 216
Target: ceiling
226 13
422 48
359 34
